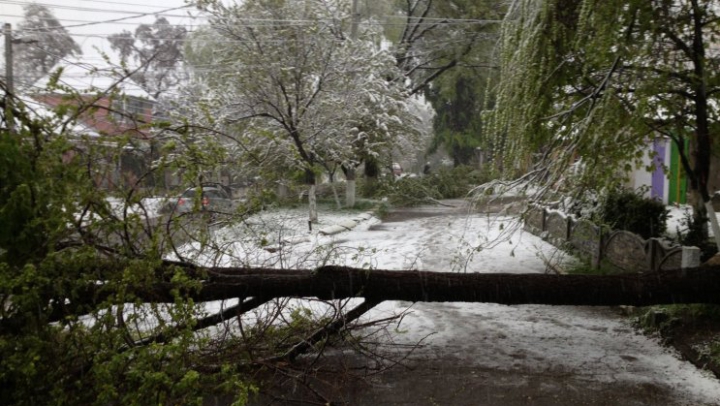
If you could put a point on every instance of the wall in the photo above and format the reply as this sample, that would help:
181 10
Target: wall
622 250
640 177
99 118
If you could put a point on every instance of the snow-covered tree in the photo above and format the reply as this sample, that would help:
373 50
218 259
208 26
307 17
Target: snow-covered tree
301 87
157 49
44 43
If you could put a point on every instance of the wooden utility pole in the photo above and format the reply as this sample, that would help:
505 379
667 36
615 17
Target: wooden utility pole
8 57
350 170
7 30
355 20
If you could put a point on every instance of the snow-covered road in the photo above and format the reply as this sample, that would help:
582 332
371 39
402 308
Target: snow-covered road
490 354
546 354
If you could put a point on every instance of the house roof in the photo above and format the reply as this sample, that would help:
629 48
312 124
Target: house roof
86 78
41 111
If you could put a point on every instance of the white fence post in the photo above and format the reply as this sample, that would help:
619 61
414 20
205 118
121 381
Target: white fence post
690 257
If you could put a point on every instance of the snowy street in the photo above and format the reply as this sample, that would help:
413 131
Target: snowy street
490 354
522 355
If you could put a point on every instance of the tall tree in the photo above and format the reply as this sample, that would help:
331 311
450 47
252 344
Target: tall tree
459 98
438 36
591 80
45 42
436 44
158 49
313 94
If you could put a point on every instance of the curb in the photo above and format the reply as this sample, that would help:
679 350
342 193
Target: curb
345 225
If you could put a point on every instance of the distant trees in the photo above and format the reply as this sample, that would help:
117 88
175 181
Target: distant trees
459 98
44 43
158 49
444 50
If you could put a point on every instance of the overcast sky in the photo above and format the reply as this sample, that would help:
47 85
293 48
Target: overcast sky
89 21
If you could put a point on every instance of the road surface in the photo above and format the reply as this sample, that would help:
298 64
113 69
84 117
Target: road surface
490 354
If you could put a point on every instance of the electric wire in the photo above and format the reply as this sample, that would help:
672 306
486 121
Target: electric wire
115 20
101 10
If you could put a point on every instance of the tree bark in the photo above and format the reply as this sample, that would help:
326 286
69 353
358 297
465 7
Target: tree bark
698 285
310 180
350 188
372 172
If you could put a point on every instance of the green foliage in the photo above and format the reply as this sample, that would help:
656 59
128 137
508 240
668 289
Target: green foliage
625 209
693 313
583 266
70 323
458 99
592 81
671 321
695 235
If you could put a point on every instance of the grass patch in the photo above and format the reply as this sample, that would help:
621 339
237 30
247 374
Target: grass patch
665 318
694 329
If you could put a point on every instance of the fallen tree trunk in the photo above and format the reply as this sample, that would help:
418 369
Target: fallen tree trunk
699 285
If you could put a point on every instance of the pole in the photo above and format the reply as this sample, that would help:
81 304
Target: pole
350 171
8 58
355 20
7 30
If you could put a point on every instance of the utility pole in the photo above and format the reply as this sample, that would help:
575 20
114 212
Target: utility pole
7 30
355 20
350 175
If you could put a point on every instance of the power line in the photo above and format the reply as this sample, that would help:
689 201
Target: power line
102 10
88 21
105 21
413 20
124 3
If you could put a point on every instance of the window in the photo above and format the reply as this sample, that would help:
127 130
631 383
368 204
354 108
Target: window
130 108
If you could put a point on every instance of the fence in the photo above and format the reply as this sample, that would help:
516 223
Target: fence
621 249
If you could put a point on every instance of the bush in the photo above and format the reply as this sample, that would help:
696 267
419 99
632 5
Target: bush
625 209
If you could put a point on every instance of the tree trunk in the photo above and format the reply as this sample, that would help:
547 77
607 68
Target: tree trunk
697 285
372 171
312 204
702 142
282 190
312 198
350 188
335 194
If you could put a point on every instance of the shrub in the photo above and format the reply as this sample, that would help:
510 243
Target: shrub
625 209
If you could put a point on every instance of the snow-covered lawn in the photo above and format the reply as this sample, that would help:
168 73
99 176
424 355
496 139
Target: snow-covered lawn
677 222
460 243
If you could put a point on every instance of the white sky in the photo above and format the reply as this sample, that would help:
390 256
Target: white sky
88 20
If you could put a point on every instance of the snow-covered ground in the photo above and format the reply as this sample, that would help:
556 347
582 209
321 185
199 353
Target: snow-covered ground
678 217
149 206
587 347
283 239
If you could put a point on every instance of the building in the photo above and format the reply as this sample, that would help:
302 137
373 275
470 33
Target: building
111 110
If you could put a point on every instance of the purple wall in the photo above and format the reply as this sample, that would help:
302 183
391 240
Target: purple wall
658 176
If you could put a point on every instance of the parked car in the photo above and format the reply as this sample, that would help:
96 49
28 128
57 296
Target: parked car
215 198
